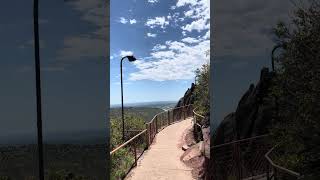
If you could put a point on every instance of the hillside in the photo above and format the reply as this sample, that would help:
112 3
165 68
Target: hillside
146 113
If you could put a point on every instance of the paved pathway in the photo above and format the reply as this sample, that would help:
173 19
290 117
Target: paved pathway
162 160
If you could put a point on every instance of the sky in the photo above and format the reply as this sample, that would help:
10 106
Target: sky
243 40
73 56
168 38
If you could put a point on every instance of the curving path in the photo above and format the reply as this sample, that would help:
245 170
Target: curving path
162 159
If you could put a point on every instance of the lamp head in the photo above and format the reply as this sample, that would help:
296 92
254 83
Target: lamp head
131 58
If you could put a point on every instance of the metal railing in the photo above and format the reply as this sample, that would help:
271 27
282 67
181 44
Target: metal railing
127 154
277 172
240 159
197 125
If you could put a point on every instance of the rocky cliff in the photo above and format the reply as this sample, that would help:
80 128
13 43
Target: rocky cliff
188 97
196 140
252 116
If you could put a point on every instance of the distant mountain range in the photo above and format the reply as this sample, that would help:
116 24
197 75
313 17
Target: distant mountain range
164 105
145 110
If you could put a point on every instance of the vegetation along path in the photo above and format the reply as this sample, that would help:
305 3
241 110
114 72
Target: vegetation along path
162 159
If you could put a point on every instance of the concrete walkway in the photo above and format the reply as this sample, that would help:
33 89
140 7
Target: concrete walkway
162 159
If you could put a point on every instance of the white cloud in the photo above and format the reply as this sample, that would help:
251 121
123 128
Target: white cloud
151 35
178 59
189 13
159 47
111 57
123 20
207 35
178 62
133 21
153 1
125 53
186 2
190 40
200 13
199 25
157 21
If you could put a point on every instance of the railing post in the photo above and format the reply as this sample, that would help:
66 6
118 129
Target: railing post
156 124
237 160
147 136
135 153
168 117
268 175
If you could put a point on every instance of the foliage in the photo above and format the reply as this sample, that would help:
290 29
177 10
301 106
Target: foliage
296 88
63 175
145 113
131 123
5 178
202 100
123 159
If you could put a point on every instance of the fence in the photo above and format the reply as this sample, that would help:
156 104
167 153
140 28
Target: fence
277 172
197 124
125 156
240 159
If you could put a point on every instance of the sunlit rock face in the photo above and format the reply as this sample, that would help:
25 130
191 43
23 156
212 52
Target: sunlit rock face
188 97
253 114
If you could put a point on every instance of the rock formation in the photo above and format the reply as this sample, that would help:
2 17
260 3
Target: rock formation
188 97
197 140
252 116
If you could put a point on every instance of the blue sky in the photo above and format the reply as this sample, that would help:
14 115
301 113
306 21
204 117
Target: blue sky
169 39
73 66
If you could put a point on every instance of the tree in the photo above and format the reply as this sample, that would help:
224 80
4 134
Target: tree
297 88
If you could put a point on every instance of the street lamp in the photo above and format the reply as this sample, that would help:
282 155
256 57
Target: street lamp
273 70
272 55
38 87
131 59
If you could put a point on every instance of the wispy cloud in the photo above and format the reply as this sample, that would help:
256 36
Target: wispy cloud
157 22
178 62
124 53
91 44
133 21
151 35
153 1
190 40
200 13
123 20
159 47
178 59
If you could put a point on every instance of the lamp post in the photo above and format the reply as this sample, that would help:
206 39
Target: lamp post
273 70
38 86
131 59
272 55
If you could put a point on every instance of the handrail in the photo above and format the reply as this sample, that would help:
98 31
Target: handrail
194 111
127 142
240 158
295 174
199 115
166 111
241 140
157 123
